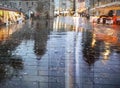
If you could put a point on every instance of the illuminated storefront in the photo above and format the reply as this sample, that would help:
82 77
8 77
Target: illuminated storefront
102 7
9 16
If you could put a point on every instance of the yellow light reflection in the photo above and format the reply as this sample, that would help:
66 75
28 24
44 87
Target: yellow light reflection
107 51
93 40
106 54
6 32
65 26
81 29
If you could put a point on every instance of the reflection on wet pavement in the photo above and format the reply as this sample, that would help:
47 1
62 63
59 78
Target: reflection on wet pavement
67 52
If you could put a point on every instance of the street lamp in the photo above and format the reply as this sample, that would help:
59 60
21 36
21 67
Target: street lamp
74 5
29 12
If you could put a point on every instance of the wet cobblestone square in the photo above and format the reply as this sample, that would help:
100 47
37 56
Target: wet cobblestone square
66 52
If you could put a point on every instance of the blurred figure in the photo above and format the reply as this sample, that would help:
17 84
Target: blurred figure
47 15
87 16
114 19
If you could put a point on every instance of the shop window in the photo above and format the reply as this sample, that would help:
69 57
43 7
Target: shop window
1 13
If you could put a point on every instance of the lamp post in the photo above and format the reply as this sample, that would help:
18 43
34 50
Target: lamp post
29 12
98 2
59 7
74 6
93 6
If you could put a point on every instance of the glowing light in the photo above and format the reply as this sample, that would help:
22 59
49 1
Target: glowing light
93 40
107 51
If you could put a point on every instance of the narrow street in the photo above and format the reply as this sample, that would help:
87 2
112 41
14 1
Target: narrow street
67 52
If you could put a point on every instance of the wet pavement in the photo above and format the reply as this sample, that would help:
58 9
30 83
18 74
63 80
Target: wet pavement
67 52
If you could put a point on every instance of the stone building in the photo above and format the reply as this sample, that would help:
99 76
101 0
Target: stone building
65 4
45 7
29 7
52 7
102 7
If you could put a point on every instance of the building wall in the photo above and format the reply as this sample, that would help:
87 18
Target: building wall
87 6
82 6
68 5
47 7
26 6
52 6
102 10
95 3
62 4
29 6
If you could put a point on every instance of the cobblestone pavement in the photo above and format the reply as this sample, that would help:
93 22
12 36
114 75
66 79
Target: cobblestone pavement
67 52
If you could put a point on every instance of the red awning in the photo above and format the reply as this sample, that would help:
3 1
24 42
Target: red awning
8 9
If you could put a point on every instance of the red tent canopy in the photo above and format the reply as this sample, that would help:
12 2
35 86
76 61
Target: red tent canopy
8 9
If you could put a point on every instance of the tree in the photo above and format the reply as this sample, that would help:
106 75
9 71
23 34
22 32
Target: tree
43 7
39 8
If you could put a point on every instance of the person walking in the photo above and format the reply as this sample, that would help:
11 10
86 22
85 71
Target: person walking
87 16
114 19
47 15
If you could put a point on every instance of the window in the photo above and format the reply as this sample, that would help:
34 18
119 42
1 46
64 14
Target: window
27 3
19 3
32 3
118 12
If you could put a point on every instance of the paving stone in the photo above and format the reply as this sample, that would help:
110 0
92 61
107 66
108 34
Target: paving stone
44 57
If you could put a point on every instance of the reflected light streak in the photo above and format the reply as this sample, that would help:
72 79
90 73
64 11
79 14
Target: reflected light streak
76 24
69 68
56 24
78 56
65 26
81 29
106 54
107 51
5 32
93 40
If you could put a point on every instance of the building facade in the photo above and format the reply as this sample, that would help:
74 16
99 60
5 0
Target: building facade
97 7
82 5
52 7
102 7
28 7
45 7
64 6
